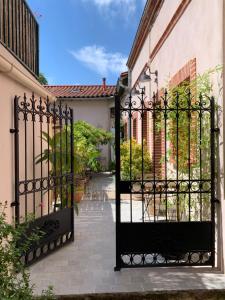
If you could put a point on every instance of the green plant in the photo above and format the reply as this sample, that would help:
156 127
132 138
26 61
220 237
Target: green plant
112 166
193 139
42 79
14 278
135 172
186 95
87 140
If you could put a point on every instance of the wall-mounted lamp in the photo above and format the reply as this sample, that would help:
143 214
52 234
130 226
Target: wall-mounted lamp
147 77
135 91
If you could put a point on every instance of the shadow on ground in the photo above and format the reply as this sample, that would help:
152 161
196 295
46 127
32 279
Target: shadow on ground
87 265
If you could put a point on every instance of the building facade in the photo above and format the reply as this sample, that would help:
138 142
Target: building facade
93 104
178 41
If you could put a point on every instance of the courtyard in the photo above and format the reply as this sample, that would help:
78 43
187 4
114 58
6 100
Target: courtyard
87 265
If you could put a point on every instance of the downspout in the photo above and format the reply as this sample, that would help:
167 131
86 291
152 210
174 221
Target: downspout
15 73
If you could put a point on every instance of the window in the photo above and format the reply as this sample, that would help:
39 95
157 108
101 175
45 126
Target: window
112 112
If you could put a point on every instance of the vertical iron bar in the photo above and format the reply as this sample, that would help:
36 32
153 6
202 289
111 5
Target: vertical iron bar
212 141
3 20
9 33
33 150
25 152
41 182
16 157
200 153
165 147
189 155
142 153
12 6
131 135
60 154
117 153
154 167
72 171
48 121
16 26
37 50
66 150
177 158
54 154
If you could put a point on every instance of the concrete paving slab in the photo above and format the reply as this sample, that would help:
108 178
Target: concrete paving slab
87 265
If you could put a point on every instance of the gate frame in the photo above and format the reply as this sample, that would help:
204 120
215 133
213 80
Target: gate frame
119 263
57 224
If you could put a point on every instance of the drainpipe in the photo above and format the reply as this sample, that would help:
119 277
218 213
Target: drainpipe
15 73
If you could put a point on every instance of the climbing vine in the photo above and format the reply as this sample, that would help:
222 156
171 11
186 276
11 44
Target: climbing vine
188 137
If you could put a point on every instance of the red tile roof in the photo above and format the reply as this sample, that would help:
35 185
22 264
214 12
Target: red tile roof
81 91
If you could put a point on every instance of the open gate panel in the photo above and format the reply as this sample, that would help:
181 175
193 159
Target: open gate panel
165 172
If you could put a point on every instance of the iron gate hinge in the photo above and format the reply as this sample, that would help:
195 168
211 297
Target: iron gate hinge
217 130
13 130
13 204
216 200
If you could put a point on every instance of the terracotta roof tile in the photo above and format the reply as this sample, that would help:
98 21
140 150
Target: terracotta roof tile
81 91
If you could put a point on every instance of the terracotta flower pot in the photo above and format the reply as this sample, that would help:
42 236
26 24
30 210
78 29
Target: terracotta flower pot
78 195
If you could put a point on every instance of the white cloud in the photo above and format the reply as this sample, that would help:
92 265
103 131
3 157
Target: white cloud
115 7
144 2
101 61
51 80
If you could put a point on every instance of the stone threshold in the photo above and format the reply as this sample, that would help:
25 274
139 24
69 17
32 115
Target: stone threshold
154 295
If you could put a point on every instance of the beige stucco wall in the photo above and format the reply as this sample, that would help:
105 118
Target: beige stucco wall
15 80
197 34
97 113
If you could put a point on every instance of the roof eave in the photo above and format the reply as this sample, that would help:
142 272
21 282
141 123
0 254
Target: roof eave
151 9
85 97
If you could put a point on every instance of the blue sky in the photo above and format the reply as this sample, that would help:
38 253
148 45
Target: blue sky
82 41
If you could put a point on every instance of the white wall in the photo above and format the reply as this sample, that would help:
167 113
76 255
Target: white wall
97 113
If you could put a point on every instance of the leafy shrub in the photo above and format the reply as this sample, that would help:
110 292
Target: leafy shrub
136 158
14 278
87 140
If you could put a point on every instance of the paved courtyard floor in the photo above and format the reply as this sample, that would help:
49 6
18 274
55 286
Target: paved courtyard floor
87 265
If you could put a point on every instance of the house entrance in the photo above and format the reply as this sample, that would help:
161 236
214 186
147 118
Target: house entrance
44 191
165 180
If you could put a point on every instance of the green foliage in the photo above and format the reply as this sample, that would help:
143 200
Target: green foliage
186 95
87 140
136 158
112 166
14 278
42 79
193 138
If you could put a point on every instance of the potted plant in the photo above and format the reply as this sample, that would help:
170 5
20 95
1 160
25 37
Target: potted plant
87 140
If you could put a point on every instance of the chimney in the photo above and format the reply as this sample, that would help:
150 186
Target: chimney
104 83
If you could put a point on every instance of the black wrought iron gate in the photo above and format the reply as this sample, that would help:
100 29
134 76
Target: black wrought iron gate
165 180
44 163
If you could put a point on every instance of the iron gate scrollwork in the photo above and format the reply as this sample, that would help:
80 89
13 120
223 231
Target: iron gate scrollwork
165 180
44 166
